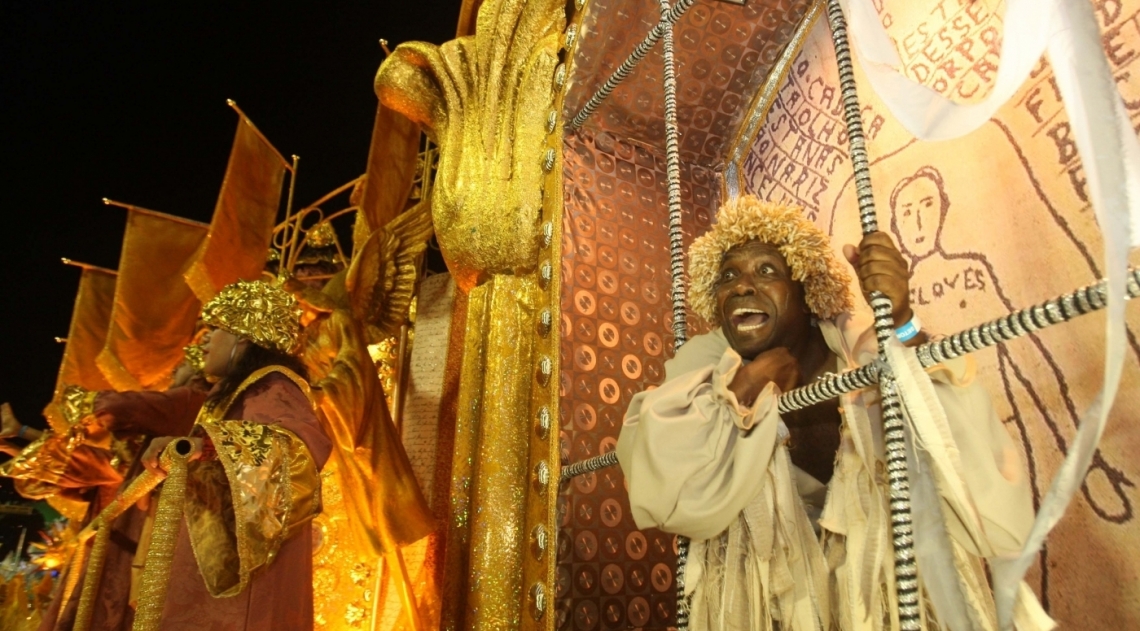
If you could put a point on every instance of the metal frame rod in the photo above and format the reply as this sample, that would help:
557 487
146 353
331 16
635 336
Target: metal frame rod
627 66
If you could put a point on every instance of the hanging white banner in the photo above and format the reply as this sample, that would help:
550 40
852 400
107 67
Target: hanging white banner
1110 154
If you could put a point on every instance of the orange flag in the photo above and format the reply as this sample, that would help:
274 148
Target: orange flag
392 164
242 226
88 331
154 313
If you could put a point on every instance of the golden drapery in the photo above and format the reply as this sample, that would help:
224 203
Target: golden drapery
486 100
242 226
154 312
260 489
376 479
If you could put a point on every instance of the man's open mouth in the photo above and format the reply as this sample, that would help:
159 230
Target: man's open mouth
746 319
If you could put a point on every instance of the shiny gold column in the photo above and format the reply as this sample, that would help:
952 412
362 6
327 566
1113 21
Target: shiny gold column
500 476
453 616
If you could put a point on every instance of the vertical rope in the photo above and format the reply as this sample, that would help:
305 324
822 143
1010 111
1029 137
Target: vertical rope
92 577
906 571
676 247
673 172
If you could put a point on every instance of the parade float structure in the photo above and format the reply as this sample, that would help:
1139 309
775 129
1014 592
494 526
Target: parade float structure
569 152
582 145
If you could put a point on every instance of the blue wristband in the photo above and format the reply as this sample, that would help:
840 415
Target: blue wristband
906 332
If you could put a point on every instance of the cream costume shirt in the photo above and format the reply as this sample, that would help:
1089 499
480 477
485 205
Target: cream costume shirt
700 464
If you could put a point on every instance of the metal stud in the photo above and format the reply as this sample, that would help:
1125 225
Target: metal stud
580 4
547 234
551 121
548 160
541 476
538 540
542 423
537 601
545 274
559 76
545 368
571 35
545 322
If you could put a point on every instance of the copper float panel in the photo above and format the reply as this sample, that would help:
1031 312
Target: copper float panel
616 316
723 52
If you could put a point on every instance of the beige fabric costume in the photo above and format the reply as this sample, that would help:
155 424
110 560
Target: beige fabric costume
701 465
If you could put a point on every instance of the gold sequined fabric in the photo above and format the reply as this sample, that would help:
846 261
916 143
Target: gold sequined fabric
196 356
241 506
260 311
44 460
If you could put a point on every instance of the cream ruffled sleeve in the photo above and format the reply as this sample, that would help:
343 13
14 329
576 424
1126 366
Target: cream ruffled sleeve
693 456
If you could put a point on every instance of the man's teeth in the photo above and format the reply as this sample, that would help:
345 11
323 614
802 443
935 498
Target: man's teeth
749 319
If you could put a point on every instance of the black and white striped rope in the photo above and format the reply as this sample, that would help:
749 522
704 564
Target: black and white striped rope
673 171
589 465
853 118
906 576
1061 309
829 387
898 479
627 66
676 250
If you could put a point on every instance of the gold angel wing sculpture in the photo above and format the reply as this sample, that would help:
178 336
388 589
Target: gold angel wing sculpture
382 277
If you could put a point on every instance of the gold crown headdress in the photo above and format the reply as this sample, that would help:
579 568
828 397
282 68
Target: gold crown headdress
263 312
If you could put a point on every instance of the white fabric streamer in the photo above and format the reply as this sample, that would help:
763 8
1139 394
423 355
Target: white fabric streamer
1110 154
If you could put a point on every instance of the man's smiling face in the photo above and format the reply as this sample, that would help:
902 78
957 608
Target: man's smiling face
759 305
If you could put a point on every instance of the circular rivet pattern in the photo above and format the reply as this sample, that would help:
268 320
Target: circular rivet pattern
542 423
547 234
548 160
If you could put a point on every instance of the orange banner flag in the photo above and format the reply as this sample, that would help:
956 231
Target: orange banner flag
392 164
88 331
242 226
154 312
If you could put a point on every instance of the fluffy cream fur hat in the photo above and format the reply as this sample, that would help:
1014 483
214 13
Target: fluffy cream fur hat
804 246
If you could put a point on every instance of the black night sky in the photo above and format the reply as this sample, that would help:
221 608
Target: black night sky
127 100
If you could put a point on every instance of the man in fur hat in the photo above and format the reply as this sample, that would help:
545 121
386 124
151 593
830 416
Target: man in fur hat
789 514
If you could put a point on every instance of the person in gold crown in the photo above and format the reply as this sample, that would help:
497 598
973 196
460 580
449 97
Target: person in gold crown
243 557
